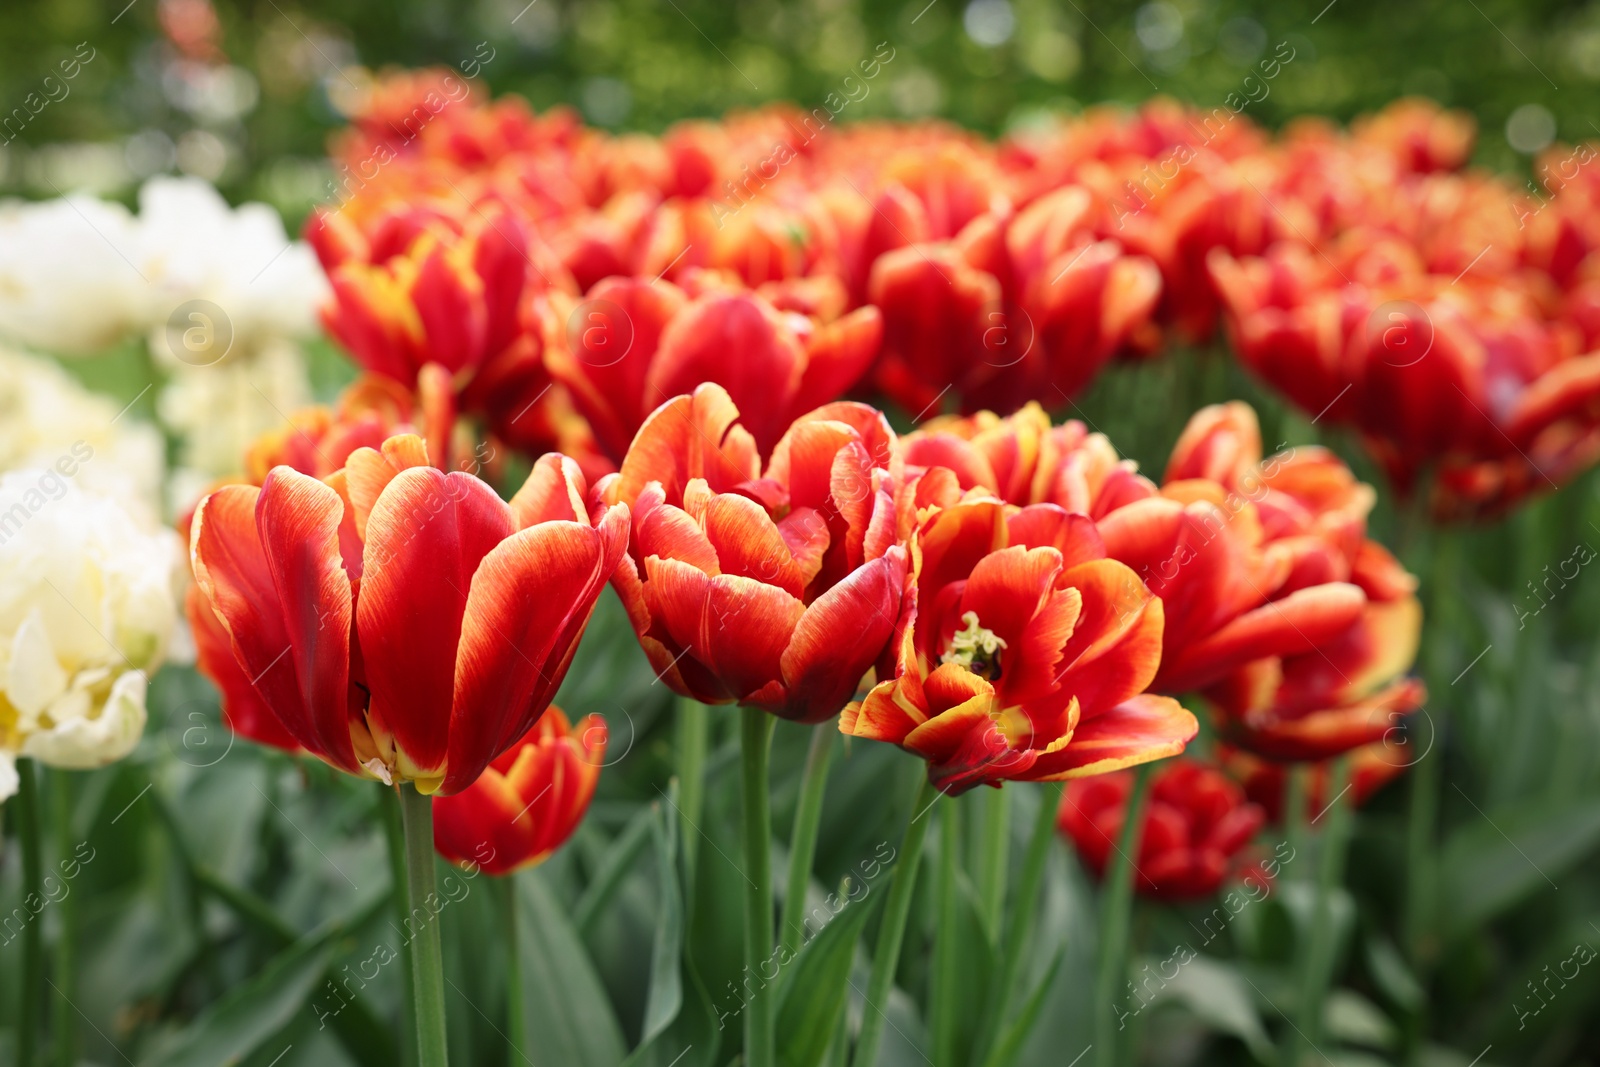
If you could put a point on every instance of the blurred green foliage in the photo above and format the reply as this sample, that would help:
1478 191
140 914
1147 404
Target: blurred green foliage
642 64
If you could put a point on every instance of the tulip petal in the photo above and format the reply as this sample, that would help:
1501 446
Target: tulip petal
298 518
426 535
840 636
1146 728
530 600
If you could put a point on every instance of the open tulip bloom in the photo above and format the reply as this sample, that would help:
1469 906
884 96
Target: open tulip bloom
405 624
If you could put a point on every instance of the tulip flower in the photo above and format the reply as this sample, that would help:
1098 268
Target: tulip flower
1195 834
634 343
317 441
529 799
402 623
774 590
1371 768
1024 460
1280 609
1024 654
447 298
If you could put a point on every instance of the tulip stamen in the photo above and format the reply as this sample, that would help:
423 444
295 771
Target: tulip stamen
975 648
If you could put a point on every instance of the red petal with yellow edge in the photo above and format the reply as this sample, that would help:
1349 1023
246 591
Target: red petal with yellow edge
1329 732
746 625
1146 728
241 601
748 543
244 706
692 436
449 303
671 533
840 636
611 340
530 600
1221 443
367 471
553 492
1014 596
739 342
880 716
480 827
1299 622
298 518
1116 650
837 355
425 538
1075 536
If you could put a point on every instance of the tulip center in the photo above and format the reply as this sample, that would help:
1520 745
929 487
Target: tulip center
975 648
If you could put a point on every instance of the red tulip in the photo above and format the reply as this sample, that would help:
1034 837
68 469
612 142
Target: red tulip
633 344
316 441
1197 828
1023 654
777 591
529 799
1371 768
1023 460
403 623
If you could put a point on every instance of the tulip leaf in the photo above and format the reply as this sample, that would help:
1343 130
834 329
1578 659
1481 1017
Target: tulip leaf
811 996
1496 862
1010 1043
253 1014
1215 993
665 998
564 1005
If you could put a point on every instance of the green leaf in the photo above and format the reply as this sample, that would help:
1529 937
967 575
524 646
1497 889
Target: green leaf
1010 1043
665 998
564 1006
1218 995
811 996
1495 863
252 1014
1355 1020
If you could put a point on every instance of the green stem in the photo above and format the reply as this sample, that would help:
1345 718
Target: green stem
1317 961
516 1024
942 1010
394 830
427 984
1421 819
1296 799
67 915
614 867
756 745
1116 907
803 841
1020 927
992 853
892 928
692 727
27 830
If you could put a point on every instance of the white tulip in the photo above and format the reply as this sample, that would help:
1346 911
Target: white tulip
87 605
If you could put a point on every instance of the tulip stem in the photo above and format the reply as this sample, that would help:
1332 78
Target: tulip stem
1019 928
1296 798
803 841
1116 910
692 727
992 855
1317 960
516 1023
892 929
942 1010
756 743
64 1051
394 830
427 980
27 830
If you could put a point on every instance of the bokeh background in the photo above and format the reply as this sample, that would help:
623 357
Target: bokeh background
179 970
